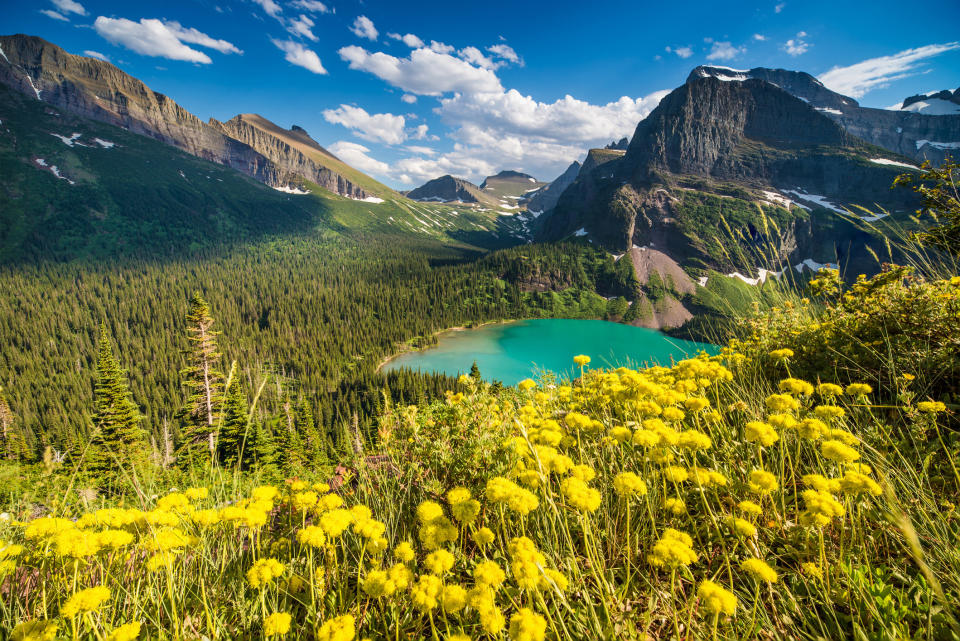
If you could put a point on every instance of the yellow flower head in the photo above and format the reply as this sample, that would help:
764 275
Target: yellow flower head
341 628
86 600
526 625
581 360
277 624
762 482
716 599
37 630
264 572
759 569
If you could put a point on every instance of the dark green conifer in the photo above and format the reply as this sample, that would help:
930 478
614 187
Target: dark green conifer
117 437
259 452
233 429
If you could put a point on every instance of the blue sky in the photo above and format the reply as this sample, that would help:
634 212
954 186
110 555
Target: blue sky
407 91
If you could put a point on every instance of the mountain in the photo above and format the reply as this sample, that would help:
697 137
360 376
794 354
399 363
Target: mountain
936 103
446 189
100 91
545 198
921 132
724 167
510 187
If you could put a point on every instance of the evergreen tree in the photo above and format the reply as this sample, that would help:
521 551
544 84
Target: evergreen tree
234 426
117 436
13 445
313 446
204 381
475 371
259 452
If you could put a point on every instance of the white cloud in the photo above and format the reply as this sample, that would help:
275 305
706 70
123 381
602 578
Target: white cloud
425 72
423 151
50 13
151 37
302 27
796 46
439 47
387 128
310 5
779 7
69 6
299 55
271 7
724 51
858 79
356 155
408 98
505 52
199 38
363 28
420 132
408 39
475 57
683 52
759 37
96 54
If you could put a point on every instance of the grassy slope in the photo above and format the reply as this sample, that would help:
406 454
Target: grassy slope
143 196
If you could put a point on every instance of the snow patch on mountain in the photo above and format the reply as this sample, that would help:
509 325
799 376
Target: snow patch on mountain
813 265
760 279
287 189
938 145
71 141
106 144
933 107
830 110
887 161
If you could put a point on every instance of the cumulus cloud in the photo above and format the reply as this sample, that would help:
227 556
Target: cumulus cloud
724 51
302 27
299 55
69 6
195 37
759 37
271 7
424 72
779 7
683 52
363 28
356 155
152 37
408 39
310 5
386 128
423 151
505 52
858 79
475 57
408 98
50 13
96 54
796 46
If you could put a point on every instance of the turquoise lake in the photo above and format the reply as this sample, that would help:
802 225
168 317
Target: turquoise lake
511 352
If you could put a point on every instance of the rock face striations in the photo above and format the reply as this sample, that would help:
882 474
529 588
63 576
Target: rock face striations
545 198
446 189
725 162
920 133
98 90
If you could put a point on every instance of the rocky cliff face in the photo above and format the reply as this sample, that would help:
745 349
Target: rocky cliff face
909 131
98 90
545 198
292 154
710 158
446 189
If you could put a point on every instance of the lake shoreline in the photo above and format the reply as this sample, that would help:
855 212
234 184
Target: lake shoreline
407 348
510 350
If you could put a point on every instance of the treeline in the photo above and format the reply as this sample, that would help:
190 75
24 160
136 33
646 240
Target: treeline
303 325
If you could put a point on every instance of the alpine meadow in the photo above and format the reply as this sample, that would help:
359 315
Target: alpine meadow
359 321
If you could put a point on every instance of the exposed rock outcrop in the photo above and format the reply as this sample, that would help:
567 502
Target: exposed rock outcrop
99 90
545 198
909 132
447 189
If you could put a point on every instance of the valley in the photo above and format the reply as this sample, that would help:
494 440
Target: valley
385 379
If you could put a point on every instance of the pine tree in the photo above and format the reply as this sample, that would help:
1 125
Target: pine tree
313 446
234 427
13 445
117 436
259 452
204 382
475 371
